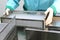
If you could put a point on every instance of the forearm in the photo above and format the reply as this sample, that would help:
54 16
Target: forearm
12 4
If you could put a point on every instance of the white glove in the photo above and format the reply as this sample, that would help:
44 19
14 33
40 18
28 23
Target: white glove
50 17
7 11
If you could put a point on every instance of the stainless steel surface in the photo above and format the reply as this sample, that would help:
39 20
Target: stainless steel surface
7 29
53 32
37 34
48 31
34 19
28 15
2 26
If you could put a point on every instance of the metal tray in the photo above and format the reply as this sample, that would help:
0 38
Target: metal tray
33 19
37 34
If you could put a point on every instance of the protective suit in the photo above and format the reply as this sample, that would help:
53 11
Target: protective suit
35 5
51 6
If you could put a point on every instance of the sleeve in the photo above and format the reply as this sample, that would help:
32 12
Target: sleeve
56 7
12 4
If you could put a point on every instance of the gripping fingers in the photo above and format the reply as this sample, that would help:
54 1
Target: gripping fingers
49 18
7 13
47 11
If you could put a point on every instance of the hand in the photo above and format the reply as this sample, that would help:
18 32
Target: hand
50 16
7 11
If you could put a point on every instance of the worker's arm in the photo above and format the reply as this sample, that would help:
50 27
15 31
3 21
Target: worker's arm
11 6
52 10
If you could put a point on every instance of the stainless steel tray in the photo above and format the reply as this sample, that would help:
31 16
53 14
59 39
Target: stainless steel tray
37 34
33 19
52 32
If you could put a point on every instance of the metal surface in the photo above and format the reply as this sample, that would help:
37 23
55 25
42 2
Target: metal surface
2 26
37 34
33 19
27 15
7 29
53 32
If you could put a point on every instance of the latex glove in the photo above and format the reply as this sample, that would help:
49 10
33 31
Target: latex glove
7 11
50 17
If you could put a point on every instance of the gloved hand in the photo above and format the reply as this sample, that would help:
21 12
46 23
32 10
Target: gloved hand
7 11
50 16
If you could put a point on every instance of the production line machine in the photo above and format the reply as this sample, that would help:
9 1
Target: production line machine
34 25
